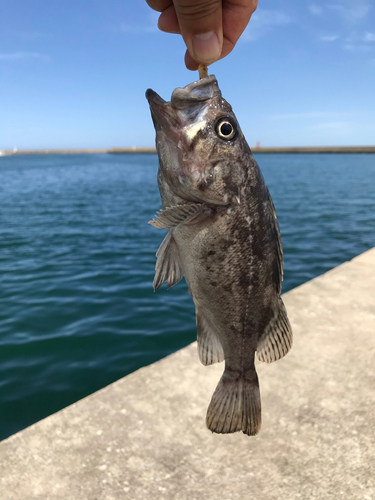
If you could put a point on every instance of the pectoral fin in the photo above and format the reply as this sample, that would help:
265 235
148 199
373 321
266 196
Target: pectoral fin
171 217
276 340
209 347
168 265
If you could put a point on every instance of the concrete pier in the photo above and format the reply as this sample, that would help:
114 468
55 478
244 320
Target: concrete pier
144 437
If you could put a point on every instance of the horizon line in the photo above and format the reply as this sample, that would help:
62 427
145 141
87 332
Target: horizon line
152 150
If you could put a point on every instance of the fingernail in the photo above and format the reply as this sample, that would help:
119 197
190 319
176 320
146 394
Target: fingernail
206 47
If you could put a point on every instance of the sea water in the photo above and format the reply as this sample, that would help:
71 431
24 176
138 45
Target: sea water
77 257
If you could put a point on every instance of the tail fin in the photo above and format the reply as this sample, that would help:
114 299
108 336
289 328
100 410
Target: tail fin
235 404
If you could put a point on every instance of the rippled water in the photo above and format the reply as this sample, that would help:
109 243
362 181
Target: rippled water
77 262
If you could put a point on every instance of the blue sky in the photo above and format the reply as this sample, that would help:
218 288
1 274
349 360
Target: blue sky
74 73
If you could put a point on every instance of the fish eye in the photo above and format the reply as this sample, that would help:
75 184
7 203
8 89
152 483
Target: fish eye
225 129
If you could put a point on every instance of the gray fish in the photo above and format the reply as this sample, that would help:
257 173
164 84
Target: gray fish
225 239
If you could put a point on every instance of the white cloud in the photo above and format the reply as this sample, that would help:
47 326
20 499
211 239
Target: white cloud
332 126
25 35
329 38
150 26
356 42
321 119
263 22
32 35
298 116
315 10
359 47
352 12
137 28
23 56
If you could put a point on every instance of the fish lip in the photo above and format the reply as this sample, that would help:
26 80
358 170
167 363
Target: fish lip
195 93
207 81
191 95
153 97
162 114
157 104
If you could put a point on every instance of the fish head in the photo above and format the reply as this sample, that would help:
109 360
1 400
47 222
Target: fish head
200 145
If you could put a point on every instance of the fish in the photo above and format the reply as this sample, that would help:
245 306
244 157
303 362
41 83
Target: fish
224 238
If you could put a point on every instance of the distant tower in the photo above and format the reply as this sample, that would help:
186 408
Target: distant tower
258 144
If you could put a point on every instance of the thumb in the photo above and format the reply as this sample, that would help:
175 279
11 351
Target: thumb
200 23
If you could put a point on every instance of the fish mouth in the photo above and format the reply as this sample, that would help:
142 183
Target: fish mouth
161 111
195 93
185 103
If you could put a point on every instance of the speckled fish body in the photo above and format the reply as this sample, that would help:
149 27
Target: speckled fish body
223 236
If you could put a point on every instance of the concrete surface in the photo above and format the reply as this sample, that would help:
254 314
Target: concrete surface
144 437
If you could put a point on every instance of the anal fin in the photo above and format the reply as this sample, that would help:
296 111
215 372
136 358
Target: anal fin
168 265
277 338
209 347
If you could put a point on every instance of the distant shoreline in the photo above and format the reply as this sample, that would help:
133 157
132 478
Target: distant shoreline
255 150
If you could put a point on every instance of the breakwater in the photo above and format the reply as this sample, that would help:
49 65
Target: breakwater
151 150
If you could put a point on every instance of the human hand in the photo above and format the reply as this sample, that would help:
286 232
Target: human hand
210 28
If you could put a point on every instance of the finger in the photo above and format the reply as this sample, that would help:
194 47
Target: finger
159 5
191 64
168 21
200 23
236 16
